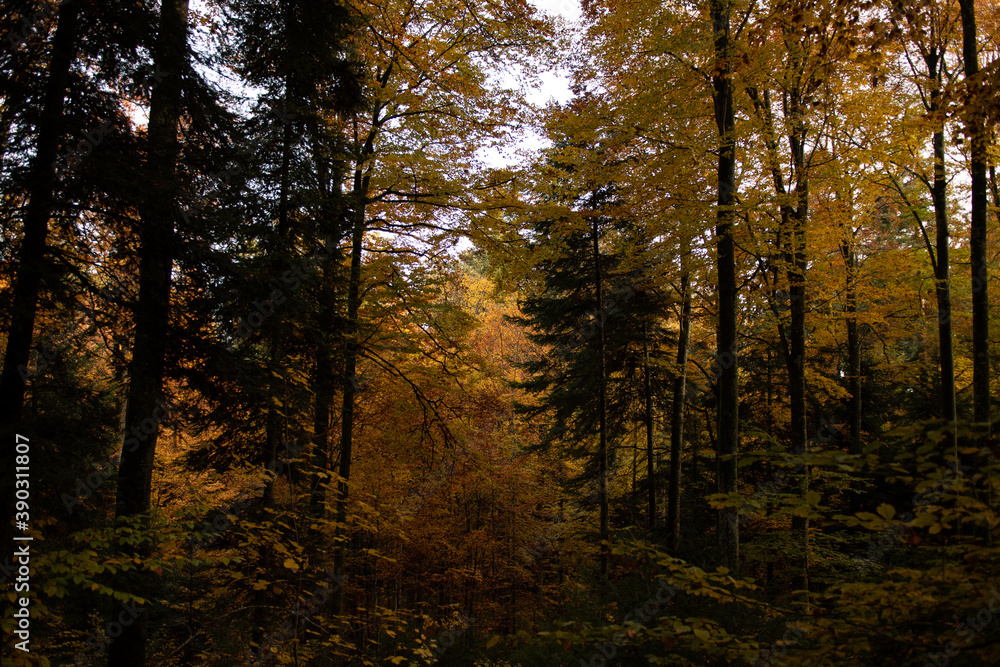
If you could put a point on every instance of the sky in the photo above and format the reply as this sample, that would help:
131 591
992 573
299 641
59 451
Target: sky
552 86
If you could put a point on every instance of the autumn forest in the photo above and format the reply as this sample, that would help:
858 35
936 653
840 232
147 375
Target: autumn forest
333 336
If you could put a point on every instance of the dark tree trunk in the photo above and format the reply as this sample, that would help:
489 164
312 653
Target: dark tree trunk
797 334
792 230
350 389
650 461
362 178
677 413
146 407
942 265
855 408
31 258
324 386
728 406
602 452
974 119
274 422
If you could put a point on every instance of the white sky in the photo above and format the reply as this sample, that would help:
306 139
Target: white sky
553 86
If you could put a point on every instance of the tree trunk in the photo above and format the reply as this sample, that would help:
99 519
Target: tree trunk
323 382
350 389
942 269
853 347
146 407
677 412
275 418
977 228
728 406
31 257
797 334
650 454
602 452
350 381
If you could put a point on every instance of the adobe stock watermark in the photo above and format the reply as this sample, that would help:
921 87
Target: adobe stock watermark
547 539
99 642
225 518
595 320
47 352
30 25
76 154
979 281
641 614
721 362
86 487
779 647
291 281
95 136
973 625
302 611
223 177
781 478
446 638
890 538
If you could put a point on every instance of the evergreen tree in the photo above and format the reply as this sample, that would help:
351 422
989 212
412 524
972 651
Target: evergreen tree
598 312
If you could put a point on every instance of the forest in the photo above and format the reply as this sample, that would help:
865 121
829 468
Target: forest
331 337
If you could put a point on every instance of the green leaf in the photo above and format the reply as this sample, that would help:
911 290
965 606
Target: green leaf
886 511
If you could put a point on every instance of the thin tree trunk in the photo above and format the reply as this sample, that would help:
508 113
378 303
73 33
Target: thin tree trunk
31 257
650 454
677 412
943 272
793 222
977 227
855 407
350 381
323 383
275 418
350 388
146 407
797 334
602 453
728 406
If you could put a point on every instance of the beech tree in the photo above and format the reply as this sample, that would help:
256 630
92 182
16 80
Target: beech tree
973 113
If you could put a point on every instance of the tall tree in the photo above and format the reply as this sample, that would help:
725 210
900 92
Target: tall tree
978 137
145 408
930 32
726 333
31 258
679 398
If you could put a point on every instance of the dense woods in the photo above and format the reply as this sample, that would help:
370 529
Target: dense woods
324 345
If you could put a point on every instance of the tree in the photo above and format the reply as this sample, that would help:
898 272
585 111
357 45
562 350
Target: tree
597 308
678 399
40 202
145 406
931 33
974 127
726 340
